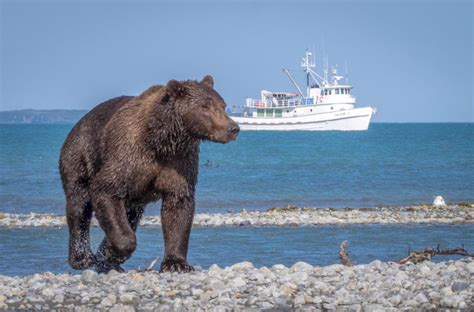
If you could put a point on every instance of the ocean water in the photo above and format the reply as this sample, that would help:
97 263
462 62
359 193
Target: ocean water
32 250
390 164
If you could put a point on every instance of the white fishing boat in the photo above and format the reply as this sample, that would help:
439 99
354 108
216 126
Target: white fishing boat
327 105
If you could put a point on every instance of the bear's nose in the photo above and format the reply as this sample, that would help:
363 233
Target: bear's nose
233 128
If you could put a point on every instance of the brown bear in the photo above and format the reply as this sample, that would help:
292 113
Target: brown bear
130 151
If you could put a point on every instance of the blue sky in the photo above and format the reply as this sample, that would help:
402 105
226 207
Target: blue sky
413 60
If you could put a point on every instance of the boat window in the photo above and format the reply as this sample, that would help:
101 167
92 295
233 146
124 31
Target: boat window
330 91
348 91
337 91
260 112
278 113
269 113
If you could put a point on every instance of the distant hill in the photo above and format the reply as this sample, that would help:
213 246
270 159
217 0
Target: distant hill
37 116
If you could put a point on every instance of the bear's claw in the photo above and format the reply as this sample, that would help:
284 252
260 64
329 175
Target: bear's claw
172 264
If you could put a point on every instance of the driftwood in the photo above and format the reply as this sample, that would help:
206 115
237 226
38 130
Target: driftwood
427 253
343 254
416 256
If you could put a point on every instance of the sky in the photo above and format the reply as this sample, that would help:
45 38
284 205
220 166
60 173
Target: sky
412 60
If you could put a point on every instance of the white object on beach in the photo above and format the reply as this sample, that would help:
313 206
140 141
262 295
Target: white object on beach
439 201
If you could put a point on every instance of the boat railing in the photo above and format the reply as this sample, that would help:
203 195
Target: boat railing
279 103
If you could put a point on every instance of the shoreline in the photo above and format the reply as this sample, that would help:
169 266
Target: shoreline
375 286
286 216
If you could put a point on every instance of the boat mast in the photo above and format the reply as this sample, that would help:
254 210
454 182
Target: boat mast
307 63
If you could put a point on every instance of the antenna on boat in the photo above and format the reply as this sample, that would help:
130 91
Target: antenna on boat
347 75
325 62
326 70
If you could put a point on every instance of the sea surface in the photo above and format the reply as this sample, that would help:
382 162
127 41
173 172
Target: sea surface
32 250
388 165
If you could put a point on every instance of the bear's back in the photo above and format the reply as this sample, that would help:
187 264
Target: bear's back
83 144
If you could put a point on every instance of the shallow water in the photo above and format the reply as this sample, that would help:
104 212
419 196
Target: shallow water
32 250
390 164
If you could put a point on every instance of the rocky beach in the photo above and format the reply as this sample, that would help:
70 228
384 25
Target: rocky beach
287 216
377 286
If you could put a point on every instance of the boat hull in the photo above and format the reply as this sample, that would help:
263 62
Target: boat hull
357 119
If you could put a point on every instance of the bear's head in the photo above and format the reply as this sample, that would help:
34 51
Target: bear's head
202 110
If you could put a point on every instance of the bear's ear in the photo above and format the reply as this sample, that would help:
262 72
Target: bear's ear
208 81
175 88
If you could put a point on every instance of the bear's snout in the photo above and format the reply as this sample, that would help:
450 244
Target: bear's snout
228 131
233 129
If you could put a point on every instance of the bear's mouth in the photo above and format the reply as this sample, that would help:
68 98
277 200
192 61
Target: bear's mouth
225 137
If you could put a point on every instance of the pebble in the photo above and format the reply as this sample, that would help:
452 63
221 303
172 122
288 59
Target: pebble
301 266
47 293
238 282
196 292
425 270
245 265
127 298
58 299
452 301
109 300
459 285
89 276
421 298
299 300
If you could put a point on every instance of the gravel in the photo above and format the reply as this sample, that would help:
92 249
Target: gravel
377 286
287 216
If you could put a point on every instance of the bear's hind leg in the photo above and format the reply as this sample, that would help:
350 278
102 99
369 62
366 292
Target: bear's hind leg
120 241
134 215
78 215
177 215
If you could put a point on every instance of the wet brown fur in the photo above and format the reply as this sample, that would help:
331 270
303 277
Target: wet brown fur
130 151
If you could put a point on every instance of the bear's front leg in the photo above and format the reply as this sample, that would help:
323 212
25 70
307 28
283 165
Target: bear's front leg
177 213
